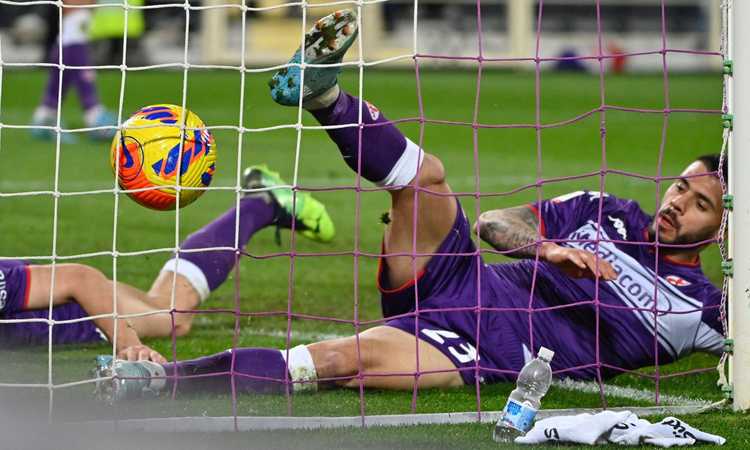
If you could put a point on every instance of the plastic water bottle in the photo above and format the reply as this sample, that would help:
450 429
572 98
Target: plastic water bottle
523 403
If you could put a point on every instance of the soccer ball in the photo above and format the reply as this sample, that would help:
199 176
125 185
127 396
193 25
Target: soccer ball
146 154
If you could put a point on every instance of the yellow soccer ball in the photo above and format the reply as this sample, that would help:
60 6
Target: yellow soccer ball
146 157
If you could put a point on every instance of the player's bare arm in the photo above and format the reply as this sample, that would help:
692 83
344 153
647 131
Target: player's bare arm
513 230
516 230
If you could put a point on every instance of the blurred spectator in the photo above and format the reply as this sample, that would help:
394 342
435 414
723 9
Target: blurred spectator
570 63
72 45
108 30
618 60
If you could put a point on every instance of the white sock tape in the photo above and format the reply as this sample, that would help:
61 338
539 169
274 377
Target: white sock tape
301 369
406 167
75 27
192 273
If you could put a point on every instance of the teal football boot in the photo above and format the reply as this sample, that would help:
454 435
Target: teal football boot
325 43
124 380
48 134
104 118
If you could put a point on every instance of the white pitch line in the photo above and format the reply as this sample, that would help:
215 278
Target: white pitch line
208 424
629 393
303 336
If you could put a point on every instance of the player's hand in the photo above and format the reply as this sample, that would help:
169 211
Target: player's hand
140 353
577 263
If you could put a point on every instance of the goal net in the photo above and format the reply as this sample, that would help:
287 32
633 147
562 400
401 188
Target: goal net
522 100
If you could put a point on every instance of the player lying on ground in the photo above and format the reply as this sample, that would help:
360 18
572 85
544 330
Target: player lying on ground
449 342
81 291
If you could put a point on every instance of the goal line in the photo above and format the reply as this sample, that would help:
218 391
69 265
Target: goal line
270 423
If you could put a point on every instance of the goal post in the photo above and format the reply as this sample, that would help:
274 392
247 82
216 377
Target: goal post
738 94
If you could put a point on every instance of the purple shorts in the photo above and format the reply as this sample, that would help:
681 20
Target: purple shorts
450 290
15 280
14 286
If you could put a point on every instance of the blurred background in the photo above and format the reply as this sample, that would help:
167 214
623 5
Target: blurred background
156 35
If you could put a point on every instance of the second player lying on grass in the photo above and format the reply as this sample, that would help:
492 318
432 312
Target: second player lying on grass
80 292
604 308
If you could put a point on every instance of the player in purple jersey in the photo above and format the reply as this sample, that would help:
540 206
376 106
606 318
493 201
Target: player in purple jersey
451 319
80 291
642 300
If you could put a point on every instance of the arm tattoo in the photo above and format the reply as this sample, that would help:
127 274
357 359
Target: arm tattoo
513 229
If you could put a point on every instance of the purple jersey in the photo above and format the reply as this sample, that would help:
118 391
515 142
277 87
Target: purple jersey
653 304
525 305
15 280
482 344
14 286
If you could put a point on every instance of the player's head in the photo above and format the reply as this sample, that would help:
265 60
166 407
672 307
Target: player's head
692 208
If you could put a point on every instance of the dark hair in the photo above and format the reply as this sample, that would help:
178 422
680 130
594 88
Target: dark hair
712 164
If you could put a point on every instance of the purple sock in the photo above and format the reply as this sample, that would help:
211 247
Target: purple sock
266 367
53 81
83 80
382 146
255 213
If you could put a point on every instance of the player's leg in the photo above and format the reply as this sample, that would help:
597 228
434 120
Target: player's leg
84 81
188 280
94 293
386 153
71 282
72 44
196 273
200 272
378 150
435 216
46 113
383 350
380 350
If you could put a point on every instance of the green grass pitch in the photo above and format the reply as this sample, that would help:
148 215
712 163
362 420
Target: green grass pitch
325 287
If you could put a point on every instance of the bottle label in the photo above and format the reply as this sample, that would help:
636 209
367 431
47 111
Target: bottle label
518 415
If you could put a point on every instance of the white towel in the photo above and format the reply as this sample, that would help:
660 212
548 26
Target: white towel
581 429
667 433
623 428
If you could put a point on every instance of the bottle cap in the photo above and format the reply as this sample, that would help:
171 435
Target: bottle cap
546 354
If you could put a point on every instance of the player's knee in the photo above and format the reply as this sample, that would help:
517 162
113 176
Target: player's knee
337 363
78 278
91 276
432 171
